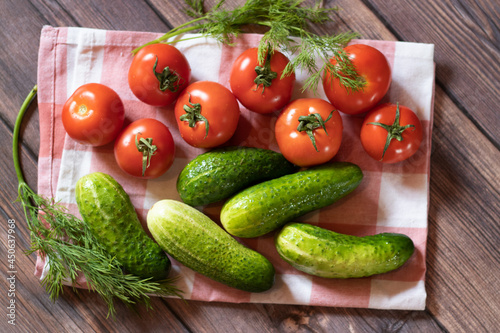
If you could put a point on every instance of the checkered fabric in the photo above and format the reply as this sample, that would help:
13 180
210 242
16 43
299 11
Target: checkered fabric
391 198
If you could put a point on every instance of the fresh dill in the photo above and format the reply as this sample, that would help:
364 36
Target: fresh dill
283 19
71 249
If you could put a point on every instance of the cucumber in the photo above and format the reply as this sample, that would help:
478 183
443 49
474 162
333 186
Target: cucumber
264 207
328 254
218 174
112 219
197 242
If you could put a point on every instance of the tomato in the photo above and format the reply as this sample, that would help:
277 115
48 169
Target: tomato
260 87
93 115
207 114
145 149
158 73
391 133
309 131
374 70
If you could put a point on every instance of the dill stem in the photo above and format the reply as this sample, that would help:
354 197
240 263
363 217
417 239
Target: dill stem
183 28
179 32
15 135
182 39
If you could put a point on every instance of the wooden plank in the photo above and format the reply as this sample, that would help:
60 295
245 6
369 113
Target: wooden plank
468 52
463 260
102 14
223 317
173 11
18 61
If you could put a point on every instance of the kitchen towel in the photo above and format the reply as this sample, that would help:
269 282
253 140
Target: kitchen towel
391 198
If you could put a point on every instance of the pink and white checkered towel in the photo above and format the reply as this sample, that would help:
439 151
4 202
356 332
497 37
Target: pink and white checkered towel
391 198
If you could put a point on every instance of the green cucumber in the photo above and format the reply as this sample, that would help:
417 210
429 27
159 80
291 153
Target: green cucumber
218 174
112 219
264 207
325 253
197 242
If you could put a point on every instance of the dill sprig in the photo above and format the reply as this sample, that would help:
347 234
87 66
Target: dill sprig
319 46
284 19
71 249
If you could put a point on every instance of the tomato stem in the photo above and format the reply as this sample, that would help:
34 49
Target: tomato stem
167 79
265 75
394 131
193 115
311 122
146 147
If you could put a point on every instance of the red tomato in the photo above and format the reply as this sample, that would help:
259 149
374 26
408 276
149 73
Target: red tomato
391 133
145 149
373 68
93 115
158 74
207 114
260 87
309 131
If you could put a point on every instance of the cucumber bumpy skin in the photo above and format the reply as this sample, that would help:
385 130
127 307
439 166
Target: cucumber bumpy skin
328 254
219 173
112 219
264 207
197 242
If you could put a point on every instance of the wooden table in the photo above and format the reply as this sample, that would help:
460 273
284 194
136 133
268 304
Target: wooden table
463 243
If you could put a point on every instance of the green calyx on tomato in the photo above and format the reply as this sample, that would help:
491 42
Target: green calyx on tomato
147 148
311 122
394 131
193 115
265 75
138 142
168 79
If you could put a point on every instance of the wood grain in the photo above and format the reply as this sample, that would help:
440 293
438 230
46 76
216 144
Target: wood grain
18 65
463 256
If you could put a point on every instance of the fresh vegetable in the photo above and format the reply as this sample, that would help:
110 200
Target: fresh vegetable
107 210
197 242
71 249
158 74
207 114
328 254
266 206
371 68
145 149
309 131
261 86
283 19
220 173
391 133
93 114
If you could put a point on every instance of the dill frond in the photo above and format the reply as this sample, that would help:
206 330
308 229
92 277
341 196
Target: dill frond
284 19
